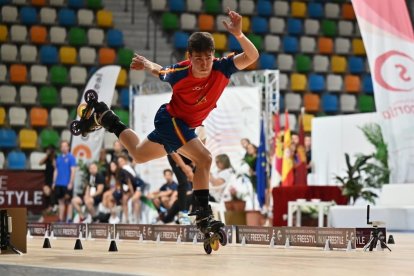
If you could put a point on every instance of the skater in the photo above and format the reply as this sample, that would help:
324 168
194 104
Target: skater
197 84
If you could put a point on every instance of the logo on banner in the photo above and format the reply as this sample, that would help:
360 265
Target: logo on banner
394 71
82 151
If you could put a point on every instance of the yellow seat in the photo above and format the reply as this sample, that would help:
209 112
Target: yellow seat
338 64
122 78
298 82
220 41
68 55
3 33
104 18
246 24
298 9
2 116
28 138
307 122
358 47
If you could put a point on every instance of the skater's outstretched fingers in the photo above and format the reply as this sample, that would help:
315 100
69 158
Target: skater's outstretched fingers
235 25
138 62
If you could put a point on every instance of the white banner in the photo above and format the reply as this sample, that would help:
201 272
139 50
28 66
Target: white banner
237 116
103 82
389 41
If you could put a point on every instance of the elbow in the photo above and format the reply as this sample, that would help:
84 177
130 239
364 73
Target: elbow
255 56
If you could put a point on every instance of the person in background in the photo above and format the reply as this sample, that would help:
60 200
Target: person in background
50 162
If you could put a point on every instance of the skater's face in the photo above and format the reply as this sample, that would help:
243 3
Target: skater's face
202 63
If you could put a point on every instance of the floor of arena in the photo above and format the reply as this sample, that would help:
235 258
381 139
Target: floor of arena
168 258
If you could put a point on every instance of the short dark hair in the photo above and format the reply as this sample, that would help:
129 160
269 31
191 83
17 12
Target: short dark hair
200 42
168 170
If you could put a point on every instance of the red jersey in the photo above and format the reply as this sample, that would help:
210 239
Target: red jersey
194 98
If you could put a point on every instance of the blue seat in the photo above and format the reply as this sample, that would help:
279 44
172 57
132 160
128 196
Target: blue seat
115 38
367 86
290 44
67 17
176 6
267 61
4 2
330 103
281 102
316 83
76 4
259 25
16 160
28 15
8 138
356 65
49 55
234 45
264 8
294 26
315 10
124 95
180 40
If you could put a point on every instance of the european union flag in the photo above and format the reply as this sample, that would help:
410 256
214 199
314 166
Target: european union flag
261 165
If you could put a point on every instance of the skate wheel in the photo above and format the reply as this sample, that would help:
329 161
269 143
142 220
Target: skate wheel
91 96
222 237
75 128
81 109
215 244
207 248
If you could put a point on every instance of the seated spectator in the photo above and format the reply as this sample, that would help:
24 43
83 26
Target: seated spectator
165 197
220 180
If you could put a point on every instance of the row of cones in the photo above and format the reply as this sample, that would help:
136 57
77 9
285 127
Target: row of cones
78 245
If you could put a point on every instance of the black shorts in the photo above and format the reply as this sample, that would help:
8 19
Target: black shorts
62 192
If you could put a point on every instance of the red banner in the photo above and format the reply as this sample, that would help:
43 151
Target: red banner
22 189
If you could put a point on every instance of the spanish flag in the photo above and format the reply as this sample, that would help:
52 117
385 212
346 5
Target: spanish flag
301 172
278 145
287 166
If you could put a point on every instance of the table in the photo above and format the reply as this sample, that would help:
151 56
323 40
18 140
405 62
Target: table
296 205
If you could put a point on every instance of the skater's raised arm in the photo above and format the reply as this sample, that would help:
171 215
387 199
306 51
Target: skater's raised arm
250 53
141 63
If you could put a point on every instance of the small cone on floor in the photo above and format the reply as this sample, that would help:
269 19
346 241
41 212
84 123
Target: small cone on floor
78 245
179 239
272 242
195 239
243 242
46 243
90 236
391 239
141 238
109 236
379 247
349 246
287 243
52 235
113 247
81 236
117 237
328 246
158 239
29 235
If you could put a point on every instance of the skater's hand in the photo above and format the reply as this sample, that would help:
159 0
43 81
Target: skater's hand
139 62
235 25
188 171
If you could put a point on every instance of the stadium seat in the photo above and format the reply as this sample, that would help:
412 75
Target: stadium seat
298 9
356 65
69 96
3 72
18 33
267 61
57 35
283 82
177 6
68 55
65 135
220 41
366 103
48 96
231 4
2 160
311 27
57 3
281 8
8 53
48 55
58 75
2 116
76 4
17 116
170 21
8 94
345 28
367 86
4 33
38 34
325 45
124 97
311 102
28 95
18 74
125 56
264 8
234 45
320 63
352 83
123 115
106 56
67 17
95 37
292 121
16 160
115 38
104 19
330 103
77 37
348 11
259 25
329 28
277 25
48 16
285 62
122 78
358 47
342 45
294 26
9 14
8 138
85 17
49 137
307 44
246 7
338 64
94 4
307 122
316 83
298 82
303 63
38 74
334 83
158 5
347 103
205 23
34 158
290 44
136 77
78 75
59 117
27 139
28 15
188 22
272 43
246 24
332 10
87 55
194 5
38 3
28 53
212 6
315 10
257 40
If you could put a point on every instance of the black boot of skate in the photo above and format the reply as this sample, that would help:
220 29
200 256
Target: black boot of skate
205 220
108 119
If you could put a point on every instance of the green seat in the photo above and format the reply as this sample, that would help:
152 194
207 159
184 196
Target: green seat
303 63
125 56
49 137
212 6
366 103
257 40
58 75
77 37
73 114
329 28
94 4
48 96
123 115
169 21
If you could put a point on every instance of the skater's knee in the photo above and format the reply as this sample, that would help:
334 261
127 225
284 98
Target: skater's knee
204 159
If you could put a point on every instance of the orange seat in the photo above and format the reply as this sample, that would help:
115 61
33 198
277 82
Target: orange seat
352 84
38 34
122 78
206 22
325 45
220 41
38 117
68 55
106 56
358 47
4 33
311 102
38 3
348 11
245 24
28 139
18 73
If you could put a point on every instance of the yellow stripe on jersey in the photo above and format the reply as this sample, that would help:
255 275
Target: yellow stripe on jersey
170 70
178 132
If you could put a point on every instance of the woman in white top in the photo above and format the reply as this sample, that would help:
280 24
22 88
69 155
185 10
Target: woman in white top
221 179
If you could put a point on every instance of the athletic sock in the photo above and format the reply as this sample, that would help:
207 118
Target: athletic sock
201 197
118 128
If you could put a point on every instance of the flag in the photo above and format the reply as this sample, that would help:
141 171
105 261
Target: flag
261 166
278 145
301 171
287 166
